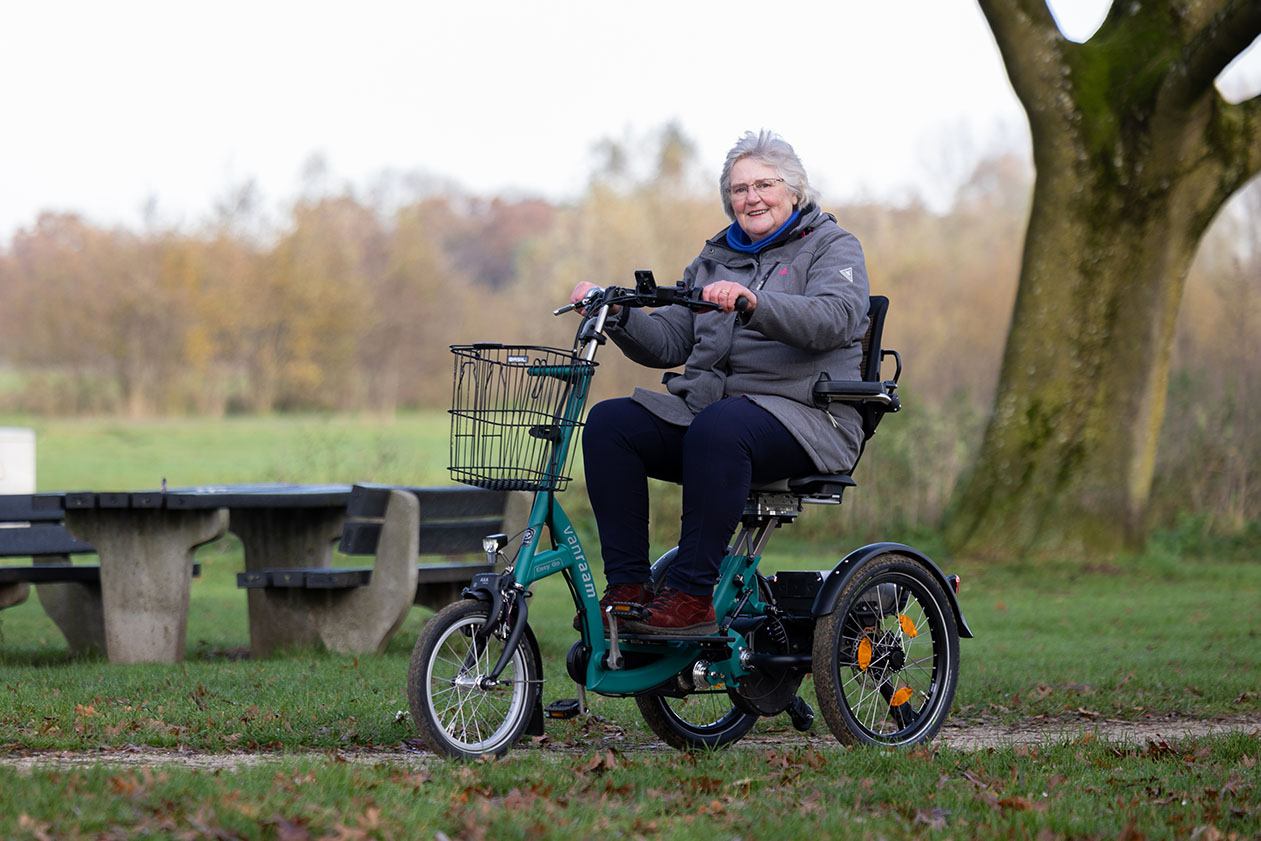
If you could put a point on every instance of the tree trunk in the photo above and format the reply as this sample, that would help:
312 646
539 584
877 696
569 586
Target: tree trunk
1132 166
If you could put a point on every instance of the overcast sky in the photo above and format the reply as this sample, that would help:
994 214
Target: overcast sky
109 104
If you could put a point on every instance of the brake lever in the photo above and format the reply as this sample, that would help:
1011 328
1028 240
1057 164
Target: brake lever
587 300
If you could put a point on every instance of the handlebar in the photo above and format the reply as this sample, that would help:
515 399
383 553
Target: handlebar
647 294
657 296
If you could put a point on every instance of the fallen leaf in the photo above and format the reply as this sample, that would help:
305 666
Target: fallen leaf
600 763
932 818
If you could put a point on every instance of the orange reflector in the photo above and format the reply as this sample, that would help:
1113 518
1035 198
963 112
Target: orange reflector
901 696
864 654
908 625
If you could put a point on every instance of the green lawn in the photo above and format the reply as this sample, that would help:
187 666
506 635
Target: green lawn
1171 631
1195 789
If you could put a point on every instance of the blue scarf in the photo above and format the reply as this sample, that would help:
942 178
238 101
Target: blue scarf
738 240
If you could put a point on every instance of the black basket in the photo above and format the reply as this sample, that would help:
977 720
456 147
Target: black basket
510 407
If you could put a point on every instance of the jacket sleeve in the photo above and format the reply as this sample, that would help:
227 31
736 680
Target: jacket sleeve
659 339
830 313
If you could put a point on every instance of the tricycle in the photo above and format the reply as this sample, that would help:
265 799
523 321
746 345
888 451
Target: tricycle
879 631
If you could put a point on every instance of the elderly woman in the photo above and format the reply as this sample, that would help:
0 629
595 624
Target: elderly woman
741 411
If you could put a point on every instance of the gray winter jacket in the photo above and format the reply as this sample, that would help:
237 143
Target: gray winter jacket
811 314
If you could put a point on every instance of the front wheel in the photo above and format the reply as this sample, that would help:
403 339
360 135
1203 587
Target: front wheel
886 660
454 713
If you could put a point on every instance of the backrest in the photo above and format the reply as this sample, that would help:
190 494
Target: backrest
23 508
32 526
872 413
453 520
877 309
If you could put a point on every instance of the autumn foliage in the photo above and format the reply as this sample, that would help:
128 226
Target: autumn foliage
348 303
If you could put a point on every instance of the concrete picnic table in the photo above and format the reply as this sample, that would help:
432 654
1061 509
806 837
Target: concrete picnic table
146 540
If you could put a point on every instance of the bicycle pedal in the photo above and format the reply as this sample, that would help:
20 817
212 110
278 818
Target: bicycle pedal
563 708
801 714
627 610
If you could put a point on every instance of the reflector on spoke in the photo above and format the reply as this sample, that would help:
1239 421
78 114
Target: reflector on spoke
908 625
864 654
901 696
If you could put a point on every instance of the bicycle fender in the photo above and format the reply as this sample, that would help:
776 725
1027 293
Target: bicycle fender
485 588
825 600
535 727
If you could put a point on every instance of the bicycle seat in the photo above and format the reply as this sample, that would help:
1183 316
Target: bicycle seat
816 484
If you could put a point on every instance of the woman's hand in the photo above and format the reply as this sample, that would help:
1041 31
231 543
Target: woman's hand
580 292
724 293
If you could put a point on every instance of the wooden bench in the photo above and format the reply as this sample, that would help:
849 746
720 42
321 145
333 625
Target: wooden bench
357 609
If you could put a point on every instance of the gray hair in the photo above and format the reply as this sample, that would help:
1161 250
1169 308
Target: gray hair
772 150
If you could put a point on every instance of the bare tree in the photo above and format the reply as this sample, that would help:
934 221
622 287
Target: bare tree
1135 152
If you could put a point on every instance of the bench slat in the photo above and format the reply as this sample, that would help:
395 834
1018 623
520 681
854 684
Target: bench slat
51 573
440 538
304 578
59 573
435 503
320 578
22 508
40 539
446 573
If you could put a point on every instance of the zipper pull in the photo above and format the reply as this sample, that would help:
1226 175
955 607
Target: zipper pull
835 425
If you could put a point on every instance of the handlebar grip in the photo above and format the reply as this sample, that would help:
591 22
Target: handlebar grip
742 303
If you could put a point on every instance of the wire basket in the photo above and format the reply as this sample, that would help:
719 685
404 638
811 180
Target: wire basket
513 410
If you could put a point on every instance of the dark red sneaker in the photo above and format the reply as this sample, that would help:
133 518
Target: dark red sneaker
637 595
673 612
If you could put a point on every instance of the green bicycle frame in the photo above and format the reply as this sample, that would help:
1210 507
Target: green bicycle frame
568 557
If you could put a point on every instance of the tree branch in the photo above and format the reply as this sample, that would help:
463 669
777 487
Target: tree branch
1216 44
1032 48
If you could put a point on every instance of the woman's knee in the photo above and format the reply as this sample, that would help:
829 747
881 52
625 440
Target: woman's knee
608 420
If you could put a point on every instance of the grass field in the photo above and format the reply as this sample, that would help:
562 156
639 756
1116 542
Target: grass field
1173 631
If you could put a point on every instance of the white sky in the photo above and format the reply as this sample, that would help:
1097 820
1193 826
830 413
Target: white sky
107 104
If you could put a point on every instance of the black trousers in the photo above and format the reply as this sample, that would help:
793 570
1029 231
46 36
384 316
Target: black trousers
730 445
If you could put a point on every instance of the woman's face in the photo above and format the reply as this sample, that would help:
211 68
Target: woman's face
759 212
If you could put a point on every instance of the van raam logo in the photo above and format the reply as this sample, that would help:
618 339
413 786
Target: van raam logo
516 359
584 571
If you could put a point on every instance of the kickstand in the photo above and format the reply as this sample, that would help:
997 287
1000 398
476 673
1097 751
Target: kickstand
582 699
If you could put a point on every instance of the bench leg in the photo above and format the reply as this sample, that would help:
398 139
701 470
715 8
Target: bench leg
146 570
276 539
13 594
75 608
364 620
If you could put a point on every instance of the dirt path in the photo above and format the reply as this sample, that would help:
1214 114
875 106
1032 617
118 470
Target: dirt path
962 736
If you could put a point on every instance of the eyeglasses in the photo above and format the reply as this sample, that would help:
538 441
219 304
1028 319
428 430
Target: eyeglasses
760 186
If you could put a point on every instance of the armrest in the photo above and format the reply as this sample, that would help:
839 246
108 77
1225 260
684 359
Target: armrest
855 391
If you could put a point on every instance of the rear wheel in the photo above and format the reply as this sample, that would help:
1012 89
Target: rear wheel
886 660
454 713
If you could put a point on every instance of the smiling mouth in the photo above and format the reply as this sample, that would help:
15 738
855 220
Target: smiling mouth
757 212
